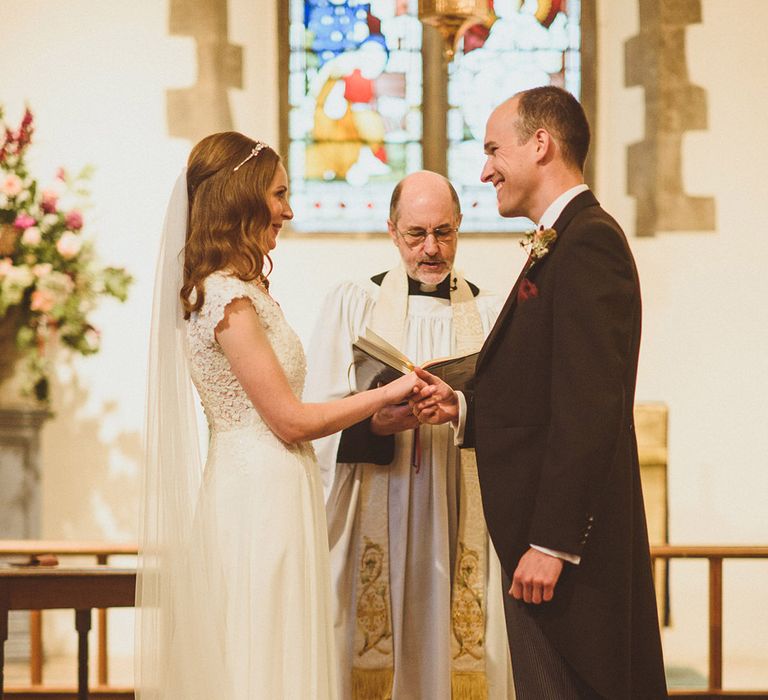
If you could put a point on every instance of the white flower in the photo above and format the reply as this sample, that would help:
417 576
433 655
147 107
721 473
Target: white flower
57 283
31 236
69 245
42 270
92 338
86 306
538 243
50 220
5 265
3 200
19 276
15 281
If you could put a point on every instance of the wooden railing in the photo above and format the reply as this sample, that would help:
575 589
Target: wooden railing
101 552
714 554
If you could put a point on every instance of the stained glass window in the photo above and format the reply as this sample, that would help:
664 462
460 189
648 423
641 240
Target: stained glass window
354 118
531 43
354 102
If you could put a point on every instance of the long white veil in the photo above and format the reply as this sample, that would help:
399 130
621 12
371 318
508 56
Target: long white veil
172 475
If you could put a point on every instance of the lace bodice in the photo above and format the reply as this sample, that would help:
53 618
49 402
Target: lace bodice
225 402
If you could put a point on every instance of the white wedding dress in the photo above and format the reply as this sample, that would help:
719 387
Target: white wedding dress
263 626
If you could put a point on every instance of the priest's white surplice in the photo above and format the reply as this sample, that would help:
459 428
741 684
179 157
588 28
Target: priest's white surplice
423 506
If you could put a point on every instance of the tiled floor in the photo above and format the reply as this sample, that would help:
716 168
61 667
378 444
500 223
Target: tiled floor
62 671
739 674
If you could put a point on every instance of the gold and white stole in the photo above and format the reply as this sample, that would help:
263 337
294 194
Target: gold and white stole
373 666
468 591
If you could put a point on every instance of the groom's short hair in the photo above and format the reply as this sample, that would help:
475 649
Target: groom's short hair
560 113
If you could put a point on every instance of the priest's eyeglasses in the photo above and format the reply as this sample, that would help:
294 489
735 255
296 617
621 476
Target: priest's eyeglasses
416 237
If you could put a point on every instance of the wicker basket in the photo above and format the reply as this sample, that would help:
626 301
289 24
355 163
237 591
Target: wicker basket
9 234
9 326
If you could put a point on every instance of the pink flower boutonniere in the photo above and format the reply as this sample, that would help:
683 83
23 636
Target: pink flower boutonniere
538 243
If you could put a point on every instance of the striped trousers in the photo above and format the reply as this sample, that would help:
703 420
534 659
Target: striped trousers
540 672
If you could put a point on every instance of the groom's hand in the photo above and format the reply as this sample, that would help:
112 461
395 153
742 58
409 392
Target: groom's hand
535 577
393 419
436 402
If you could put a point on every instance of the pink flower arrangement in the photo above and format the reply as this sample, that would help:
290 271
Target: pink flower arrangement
49 273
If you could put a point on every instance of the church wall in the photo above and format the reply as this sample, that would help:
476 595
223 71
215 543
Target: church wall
95 72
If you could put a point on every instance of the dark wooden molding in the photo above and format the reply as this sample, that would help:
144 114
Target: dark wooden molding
434 102
283 76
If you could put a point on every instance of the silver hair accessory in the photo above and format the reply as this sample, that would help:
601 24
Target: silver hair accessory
254 152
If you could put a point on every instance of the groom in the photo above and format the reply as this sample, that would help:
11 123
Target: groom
551 420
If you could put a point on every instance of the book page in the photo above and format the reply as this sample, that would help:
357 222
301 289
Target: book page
379 342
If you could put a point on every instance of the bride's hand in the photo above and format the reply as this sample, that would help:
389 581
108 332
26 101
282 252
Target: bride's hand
403 388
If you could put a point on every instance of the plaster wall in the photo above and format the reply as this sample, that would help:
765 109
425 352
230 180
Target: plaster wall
95 72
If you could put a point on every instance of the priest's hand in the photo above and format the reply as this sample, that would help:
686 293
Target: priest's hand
535 577
436 402
393 419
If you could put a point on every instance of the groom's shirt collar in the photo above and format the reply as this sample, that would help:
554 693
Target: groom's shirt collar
553 211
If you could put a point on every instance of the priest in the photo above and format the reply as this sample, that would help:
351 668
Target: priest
417 585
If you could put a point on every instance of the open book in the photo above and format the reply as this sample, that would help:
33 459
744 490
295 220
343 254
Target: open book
377 362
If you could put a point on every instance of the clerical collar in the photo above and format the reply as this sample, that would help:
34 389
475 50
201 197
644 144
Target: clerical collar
440 291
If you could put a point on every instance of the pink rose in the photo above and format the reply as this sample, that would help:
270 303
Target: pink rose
69 245
49 200
5 265
31 236
12 185
42 300
24 221
74 220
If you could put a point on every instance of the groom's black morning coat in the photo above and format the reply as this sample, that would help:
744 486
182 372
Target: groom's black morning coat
551 420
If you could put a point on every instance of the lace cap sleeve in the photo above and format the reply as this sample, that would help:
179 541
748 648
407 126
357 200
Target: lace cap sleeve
220 290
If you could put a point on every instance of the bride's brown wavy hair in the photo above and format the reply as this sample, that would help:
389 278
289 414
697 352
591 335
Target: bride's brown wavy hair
228 213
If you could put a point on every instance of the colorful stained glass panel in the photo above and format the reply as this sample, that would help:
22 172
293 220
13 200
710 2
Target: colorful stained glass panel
354 92
531 43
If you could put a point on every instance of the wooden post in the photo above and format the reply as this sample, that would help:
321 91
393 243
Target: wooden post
102 668
83 626
715 623
35 647
3 637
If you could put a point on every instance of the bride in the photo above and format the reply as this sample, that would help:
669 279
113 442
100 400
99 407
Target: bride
233 595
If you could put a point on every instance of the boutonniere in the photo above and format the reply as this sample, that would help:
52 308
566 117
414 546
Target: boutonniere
538 243
527 290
